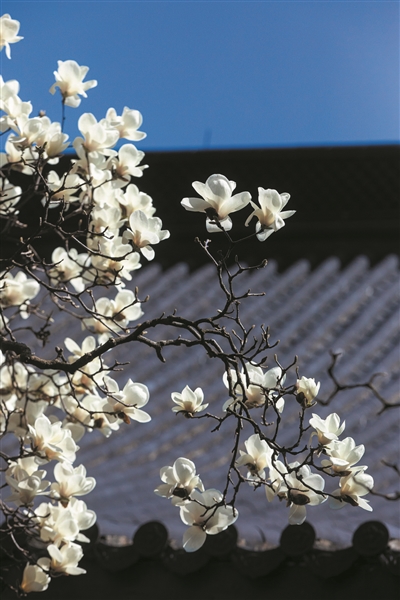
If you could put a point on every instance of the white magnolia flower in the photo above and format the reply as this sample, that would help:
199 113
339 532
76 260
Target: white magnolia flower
68 267
8 33
114 315
53 140
307 389
107 196
352 487
26 481
29 131
327 429
13 381
51 441
86 414
188 401
61 525
343 454
260 388
10 195
126 404
34 579
85 379
270 216
69 78
20 160
91 165
105 221
133 199
126 164
179 481
8 89
127 124
18 290
144 232
99 420
117 261
65 188
217 201
70 482
203 518
65 559
299 487
11 104
44 387
256 458
97 137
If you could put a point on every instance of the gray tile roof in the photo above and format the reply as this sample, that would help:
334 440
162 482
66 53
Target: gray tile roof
354 310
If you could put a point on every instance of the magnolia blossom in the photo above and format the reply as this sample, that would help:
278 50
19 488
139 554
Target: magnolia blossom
34 579
61 525
26 481
127 164
145 231
106 221
217 202
64 559
70 482
42 132
97 136
126 404
91 165
351 488
327 429
179 481
13 379
116 260
114 315
65 188
298 485
270 216
69 78
8 33
67 267
29 131
259 389
343 455
54 141
10 195
21 160
51 441
204 517
188 401
127 124
85 379
17 291
12 105
256 458
133 199
105 422
307 390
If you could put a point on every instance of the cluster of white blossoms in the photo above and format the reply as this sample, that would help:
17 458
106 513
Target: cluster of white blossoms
218 203
49 405
204 511
50 411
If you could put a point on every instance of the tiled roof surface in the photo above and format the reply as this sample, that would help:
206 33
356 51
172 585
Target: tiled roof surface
354 309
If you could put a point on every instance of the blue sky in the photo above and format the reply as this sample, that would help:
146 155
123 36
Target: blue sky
220 74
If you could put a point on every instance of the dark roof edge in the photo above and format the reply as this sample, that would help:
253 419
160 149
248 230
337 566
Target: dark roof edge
151 541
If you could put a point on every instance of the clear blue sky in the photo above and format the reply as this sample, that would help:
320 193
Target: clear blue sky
220 74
